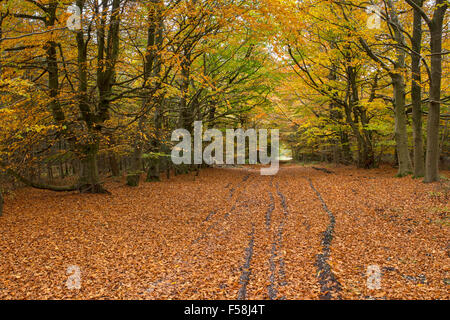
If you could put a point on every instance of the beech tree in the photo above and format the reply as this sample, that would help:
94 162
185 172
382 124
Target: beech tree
435 25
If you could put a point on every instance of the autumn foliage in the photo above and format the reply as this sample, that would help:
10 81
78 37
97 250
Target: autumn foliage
91 91
188 238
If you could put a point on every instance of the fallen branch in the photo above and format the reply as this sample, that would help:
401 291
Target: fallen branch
41 185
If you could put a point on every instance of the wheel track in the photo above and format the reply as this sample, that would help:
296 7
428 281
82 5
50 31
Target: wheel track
275 226
228 213
246 270
270 211
255 252
329 285
278 279
178 258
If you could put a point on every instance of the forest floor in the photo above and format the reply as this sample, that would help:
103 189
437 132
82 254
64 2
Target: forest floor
233 234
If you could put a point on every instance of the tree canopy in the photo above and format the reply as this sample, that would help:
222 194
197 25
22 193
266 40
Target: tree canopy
349 82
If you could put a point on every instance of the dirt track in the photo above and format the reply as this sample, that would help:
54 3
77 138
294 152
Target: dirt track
231 234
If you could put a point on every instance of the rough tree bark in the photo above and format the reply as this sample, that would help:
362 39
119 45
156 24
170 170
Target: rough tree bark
134 174
401 136
344 153
52 64
89 180
155 39
186 118
416 94
366 158
398 82
435 25
114 164
107 54
434 112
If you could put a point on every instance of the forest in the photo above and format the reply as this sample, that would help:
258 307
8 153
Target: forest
93 205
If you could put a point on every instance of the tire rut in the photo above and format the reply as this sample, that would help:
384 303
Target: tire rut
178 259
246 270
270 211
329 285
229 212
279 279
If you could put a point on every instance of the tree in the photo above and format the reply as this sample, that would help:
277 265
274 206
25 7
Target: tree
396 72
328 62
435 25
416 93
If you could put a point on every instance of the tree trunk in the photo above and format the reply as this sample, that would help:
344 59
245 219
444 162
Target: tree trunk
114 164
89 180
153 68
432 157
61 170
401 135
345 146
52 65
50 173
107 54
1 202
153 173
185 118
369 158
165 163
366 157
134 175
416 94
398 83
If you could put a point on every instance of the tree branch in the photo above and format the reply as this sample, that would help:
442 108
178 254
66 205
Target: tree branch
40 185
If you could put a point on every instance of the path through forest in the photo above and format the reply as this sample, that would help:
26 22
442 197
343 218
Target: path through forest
232 234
